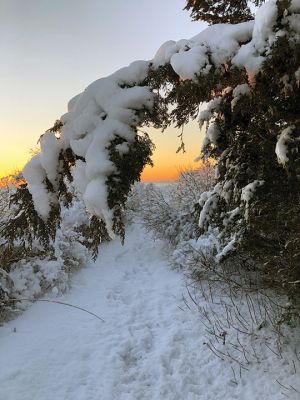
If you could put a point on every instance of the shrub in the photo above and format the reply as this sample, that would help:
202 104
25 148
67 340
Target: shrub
171 212
28 271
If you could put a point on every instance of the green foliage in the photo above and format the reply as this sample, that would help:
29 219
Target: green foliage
93 235
129 168
266 226
26 225
220 11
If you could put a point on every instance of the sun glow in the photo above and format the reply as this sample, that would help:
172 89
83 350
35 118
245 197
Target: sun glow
167 163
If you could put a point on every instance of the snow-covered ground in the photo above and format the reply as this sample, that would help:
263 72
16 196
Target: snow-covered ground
149 347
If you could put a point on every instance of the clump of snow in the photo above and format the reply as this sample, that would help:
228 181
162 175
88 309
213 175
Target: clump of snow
108 108
167 50
230 215
114 106
188 63
35 175
281 149
230 246
50 148
212 134
208 110
249 190
293 18
245 45
238 92
214 46
252 54
210 204
224 190
295 6
265 19
206 115
247 194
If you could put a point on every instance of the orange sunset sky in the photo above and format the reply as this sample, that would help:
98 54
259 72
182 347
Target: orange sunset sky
52 50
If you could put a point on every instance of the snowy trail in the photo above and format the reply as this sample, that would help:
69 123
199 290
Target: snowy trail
147 349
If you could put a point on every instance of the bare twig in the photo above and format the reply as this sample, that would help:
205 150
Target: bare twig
52 301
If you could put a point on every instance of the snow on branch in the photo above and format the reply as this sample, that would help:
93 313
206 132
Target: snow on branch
108 108
113 107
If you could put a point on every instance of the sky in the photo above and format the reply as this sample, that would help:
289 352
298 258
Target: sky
52 49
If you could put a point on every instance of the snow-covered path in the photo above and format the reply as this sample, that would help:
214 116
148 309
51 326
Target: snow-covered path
148 348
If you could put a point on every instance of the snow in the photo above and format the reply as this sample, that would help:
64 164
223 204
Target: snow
95 198
294 19
114 106
208 109
281 149
230 246
245 45
238 92
209 202
265 19
249 190
295 6
167 50
151 346
35 176
252 55
108 108
213 133
216 44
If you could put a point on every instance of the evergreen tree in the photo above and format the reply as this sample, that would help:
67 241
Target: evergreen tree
252 130
220 11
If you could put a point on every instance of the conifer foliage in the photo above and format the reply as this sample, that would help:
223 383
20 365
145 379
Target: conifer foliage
253 131
245 75
220 11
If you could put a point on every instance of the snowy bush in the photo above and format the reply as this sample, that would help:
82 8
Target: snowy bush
4 209
245 317
245 76
252 129
171 212
249 92
191 184
27 272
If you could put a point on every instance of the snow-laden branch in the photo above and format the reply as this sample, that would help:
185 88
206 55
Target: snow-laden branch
113 107
108 108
